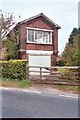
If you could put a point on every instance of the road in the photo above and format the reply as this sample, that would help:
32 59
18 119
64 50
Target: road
24 104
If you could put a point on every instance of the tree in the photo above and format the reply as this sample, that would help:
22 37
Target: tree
72 35
12 48
12 43
71 53
9 48
6 23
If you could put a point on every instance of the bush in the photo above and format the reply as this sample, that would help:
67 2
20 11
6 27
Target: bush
15 69
61 63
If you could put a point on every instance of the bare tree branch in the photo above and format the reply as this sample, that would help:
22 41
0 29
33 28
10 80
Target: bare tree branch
6 22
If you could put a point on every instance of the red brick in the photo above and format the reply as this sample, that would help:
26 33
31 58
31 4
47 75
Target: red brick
41 24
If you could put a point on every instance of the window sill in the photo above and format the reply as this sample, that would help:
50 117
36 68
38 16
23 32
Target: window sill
39 43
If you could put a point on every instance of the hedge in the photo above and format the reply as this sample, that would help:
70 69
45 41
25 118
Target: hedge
15 69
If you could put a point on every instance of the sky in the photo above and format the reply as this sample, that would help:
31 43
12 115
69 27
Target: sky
62 12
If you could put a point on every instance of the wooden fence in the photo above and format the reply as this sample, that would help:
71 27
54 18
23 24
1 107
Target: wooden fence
52 75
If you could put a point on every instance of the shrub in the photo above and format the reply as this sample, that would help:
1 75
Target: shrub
61 63
15 69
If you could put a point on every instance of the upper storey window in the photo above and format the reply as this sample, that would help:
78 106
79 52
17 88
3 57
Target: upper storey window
41 36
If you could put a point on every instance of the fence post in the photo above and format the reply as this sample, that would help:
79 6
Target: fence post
50 71
40 75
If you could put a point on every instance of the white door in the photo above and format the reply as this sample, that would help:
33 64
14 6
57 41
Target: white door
39 60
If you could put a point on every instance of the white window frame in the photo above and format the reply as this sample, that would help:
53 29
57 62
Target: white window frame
43 30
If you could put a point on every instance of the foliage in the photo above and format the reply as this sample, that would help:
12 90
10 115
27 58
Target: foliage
7 23
12 48
71 53
62 70
61 63
4 53
15 69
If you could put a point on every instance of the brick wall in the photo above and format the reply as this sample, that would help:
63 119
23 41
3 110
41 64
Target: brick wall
41 24
22 54
23 36
31 46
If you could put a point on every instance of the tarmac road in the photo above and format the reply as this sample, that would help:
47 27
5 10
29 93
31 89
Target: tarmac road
35 104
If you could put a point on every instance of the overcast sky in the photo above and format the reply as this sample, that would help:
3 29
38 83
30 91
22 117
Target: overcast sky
63 12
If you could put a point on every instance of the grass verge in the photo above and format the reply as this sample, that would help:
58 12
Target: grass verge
5 82
73 89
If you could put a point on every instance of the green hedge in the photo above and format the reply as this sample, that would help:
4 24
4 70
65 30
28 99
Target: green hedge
15 69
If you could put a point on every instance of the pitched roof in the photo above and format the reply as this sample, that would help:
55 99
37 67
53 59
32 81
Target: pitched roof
40 15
